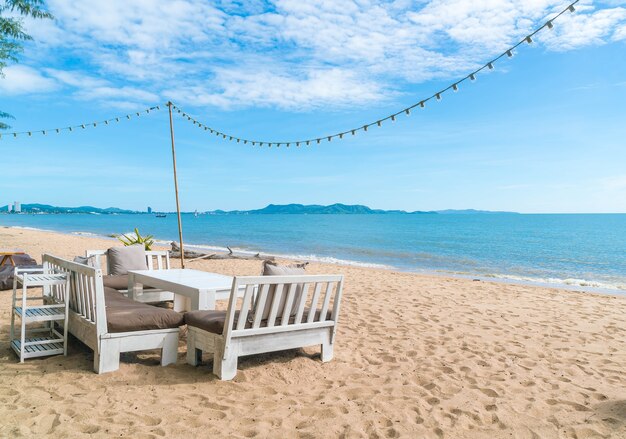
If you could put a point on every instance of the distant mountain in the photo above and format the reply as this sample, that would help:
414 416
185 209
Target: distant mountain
306 209
46 208
473 212
313 209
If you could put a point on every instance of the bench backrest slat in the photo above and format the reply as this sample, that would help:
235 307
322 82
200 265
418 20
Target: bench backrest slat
86 293
289 313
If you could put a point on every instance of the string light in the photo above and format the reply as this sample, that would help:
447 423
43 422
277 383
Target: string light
454 86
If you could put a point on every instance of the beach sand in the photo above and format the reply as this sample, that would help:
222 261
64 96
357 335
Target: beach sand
416 356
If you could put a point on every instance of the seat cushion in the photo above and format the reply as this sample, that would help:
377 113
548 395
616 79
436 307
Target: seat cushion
122 259
126 315
214 321
118 282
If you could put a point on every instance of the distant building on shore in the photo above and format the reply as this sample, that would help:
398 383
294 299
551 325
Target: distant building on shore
149 209
17 207
9 208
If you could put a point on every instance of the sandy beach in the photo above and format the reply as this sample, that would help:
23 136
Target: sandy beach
417 356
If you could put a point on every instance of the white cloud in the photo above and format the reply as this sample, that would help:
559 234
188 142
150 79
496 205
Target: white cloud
294 54
19 79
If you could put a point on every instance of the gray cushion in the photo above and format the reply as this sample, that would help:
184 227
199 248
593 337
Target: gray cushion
126 315
272 269
122 259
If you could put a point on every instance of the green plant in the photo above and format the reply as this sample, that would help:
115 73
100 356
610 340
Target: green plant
130 239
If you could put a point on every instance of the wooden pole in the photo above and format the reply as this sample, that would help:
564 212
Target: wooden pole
180 224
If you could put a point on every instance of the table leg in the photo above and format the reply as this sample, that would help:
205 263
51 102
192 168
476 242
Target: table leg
180 303
134 288
204 300
5 258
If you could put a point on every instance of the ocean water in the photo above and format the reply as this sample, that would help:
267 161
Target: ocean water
586 250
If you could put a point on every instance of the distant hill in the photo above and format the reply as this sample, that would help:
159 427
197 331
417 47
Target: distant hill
46 208
313 209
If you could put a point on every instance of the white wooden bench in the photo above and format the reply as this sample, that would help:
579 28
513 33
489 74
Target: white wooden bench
88 319
155 259
308 320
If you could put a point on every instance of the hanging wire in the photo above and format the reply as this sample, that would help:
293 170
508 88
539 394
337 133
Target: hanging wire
83 125
490 65
316 140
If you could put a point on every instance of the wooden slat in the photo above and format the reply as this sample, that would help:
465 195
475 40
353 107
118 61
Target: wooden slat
278 294
316 295
245 307
301 303
284 321
260 305
329 293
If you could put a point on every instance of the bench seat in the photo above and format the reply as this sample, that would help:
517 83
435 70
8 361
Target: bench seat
126 315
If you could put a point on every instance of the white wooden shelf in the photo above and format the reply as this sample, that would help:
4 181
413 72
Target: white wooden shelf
52 312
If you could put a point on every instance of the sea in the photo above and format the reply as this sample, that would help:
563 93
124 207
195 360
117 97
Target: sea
581 251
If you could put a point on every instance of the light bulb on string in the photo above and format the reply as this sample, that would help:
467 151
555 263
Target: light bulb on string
529 39
407 111
393 118
509 53
472 77
455 87
550 25
379 123
423 104
365 128
490 66
438 96
571 8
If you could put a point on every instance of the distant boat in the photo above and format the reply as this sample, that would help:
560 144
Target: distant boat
160 215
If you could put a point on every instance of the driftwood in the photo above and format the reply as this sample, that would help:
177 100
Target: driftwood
192 256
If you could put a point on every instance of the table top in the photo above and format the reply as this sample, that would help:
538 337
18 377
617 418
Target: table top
187 277
11 251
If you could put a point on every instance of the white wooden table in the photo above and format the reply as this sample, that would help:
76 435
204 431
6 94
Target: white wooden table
193 289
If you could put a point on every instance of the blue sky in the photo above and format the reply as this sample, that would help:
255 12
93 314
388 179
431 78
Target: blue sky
543 132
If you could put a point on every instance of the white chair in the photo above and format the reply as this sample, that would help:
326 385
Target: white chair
303 311
155 259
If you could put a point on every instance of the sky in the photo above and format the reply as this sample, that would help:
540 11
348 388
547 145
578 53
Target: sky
544 131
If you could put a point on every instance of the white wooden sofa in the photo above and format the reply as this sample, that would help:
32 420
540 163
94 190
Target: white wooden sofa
292 322
90 319
155 259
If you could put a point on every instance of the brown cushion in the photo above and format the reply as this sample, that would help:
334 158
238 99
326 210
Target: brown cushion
272 269
122 259
214 321
118 282
125 315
